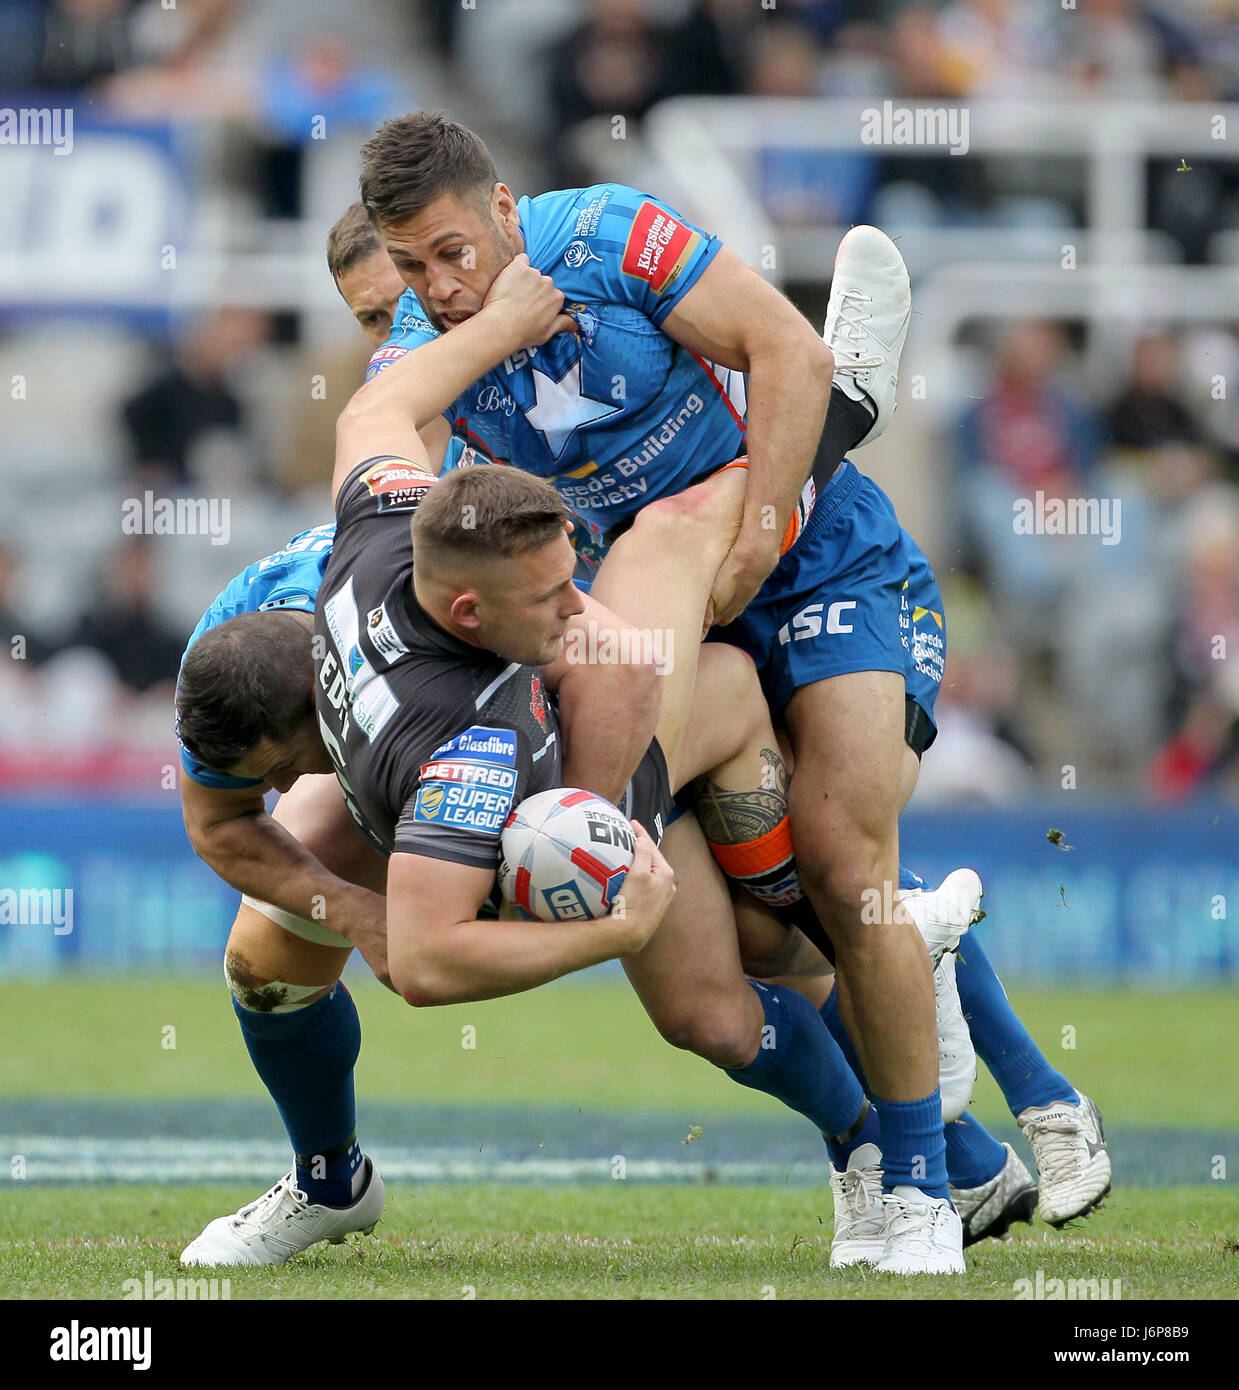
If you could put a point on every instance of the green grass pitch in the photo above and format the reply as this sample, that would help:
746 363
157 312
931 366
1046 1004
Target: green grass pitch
649 1241
1153 1061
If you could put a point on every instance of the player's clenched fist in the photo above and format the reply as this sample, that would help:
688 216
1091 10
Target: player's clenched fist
528 304
645 896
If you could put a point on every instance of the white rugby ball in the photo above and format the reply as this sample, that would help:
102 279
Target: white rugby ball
564 855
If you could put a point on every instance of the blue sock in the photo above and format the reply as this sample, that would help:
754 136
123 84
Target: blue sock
913 1145
834 1023
907 879
799 1063
1001 1040
973 1155
871 1131
305 1059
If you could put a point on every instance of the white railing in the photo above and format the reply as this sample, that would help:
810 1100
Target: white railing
705 144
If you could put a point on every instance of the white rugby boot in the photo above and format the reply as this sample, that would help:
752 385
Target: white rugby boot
859 1213
923 1235
944 914
282 1223
867 321
957 1058
988 1210
1073 1167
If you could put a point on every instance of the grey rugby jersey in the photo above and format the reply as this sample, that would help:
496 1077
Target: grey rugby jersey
434 741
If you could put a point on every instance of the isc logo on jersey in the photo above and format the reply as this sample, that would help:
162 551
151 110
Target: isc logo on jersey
470 781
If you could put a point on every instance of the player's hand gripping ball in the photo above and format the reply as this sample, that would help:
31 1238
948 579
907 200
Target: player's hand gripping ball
564 855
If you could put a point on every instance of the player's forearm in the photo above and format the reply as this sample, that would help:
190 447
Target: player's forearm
424 382
788 393
470 961
386 414
255 855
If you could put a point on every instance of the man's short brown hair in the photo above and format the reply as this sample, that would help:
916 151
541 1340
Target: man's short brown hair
485 512
412 160
350 241
247 679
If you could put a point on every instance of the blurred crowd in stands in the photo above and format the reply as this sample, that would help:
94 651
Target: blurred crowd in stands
1118 660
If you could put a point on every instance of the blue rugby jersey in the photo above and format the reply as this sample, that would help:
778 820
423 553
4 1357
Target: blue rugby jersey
290 578
618 414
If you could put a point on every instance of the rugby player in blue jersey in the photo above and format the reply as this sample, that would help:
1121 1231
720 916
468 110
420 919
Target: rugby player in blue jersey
683 357
259 956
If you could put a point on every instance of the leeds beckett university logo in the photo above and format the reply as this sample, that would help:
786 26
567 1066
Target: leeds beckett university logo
658 247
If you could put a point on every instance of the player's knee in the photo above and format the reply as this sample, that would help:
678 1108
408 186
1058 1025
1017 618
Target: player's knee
719 1032
844 883
264 996
706 507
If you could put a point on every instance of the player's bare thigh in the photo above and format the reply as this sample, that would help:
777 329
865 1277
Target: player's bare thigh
849 779
261 954
689 977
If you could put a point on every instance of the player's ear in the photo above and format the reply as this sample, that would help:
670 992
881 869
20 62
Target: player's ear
503 209
464 610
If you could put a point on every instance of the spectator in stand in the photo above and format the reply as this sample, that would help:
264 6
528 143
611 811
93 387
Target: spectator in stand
1127 50
1003 49
705 53
801 185
195 394
925 70
1203 752
85 42
1030 434
123 626
978 756
610 65
1149 411
20 645
309 94
194 62
620 62
1206 627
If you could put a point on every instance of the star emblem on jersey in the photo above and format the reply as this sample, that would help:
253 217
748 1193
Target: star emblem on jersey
560 409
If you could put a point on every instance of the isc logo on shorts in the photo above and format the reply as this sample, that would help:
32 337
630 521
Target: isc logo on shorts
808 622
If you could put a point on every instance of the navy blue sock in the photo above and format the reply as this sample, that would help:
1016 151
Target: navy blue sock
973 1155
907 879
871 1131
1001 1040
834 1023
305 1059
913 1145
799 1063
841 1149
